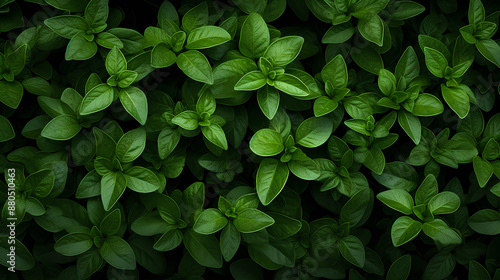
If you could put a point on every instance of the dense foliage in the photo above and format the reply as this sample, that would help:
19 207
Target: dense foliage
250 139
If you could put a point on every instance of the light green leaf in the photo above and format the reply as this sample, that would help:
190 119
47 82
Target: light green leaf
397 199
457 99
131 145
209 221
254 36
135 103
141 179
372 28
404 230
284 50
266 142
61 128
250 220
314 132
215 135
271 178
97 99
441 232
196 66
291 85
206 37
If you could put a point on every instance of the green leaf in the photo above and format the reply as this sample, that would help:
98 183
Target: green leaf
335 72
457 99
254 36
490 50
131 145
368 59
215 135
79 48
73 244
485 221
209 221
126 78
291 85
206 37
272 255
400 268
115 61
397 199
251 220
110 224
205 249
483 170
167 141
404 230
150 224
229 241
40 183
411 125
284 50
427 190
386 82
113 184
12 93
266 142
61 128
97 99
314 132
492 150
441 232
251 81
402 10
187 120
271 178
352 250
440 266
352 213
206 103
96 12
444 203
67 26
135 103
108 40
162 56
269 101
496 190
324 105
196 66
88 264
408 66
284 226
427 105
375 160
436 62
196 17
6 130
304 169
338 34
476 12
372 29
38 86
477 271
72 98
118 253
141 179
